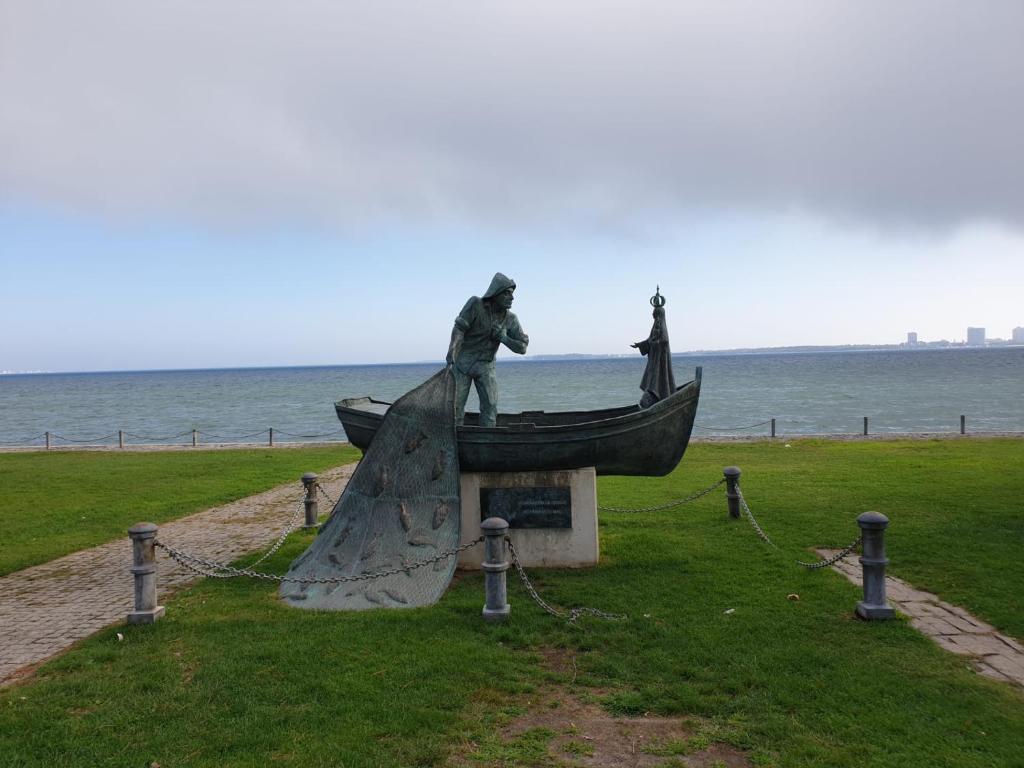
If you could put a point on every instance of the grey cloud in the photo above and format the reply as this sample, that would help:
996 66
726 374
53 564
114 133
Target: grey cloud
515 113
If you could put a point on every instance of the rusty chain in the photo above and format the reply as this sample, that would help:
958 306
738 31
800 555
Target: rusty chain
326 495
835 558
750 516
670 505
570 615
217 570
297 517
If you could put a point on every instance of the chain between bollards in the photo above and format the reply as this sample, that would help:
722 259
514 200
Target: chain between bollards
662 507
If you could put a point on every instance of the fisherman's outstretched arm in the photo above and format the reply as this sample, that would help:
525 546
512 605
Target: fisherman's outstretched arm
515 338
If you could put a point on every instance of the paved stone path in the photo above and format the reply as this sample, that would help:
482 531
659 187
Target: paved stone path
47 608
992 654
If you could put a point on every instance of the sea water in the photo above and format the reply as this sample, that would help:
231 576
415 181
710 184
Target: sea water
807 393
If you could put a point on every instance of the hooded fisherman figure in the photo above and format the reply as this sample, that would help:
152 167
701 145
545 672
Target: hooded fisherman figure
482 325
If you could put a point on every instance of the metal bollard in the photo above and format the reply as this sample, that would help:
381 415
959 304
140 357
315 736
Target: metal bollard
143 535
495 564
47 441
773 426
732 479
271 437
873 606
120 438
194 438
963 424
309 480
865 426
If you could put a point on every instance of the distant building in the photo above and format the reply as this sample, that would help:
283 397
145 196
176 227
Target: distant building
911 338
1018 336
975 337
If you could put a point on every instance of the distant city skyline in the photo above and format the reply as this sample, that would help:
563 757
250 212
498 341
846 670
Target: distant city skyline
975 336
270 185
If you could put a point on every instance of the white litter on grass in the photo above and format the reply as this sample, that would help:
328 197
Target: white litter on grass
730 610
120 637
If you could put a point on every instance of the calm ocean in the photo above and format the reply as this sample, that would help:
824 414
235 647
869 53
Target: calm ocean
809 393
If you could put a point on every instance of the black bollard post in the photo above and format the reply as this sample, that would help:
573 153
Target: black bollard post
963 424
309 480
865 426
143 536
495 564
194 438
732 496
773 426
120 438
873 562
271 437
47 441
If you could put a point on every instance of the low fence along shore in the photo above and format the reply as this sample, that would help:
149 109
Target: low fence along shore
271 436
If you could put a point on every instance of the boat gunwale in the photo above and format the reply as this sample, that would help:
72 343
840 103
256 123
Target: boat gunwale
677 400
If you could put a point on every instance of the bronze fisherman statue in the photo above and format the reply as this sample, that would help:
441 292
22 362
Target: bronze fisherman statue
481 327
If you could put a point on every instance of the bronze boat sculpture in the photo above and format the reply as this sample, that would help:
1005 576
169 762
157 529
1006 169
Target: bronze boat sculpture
629 440
391 539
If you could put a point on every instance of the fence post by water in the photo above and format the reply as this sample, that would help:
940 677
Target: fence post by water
732 496
120 438
194 438
495 565
271 437
963 424
310 482
865 426
773 426
143 536
873 562
47 441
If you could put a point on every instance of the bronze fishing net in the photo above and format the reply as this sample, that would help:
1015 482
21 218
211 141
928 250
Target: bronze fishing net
400 507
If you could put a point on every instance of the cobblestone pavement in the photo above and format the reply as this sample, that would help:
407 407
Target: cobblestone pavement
990 653
46 608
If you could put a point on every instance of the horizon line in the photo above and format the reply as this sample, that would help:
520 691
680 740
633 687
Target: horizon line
795 349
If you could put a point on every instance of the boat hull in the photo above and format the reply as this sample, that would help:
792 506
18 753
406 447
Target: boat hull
619 441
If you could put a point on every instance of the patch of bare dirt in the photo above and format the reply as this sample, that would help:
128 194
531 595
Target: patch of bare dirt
587 736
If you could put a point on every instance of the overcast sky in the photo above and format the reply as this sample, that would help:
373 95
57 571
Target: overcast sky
193 184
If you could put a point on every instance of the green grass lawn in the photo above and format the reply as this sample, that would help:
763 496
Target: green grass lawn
232 678
56 502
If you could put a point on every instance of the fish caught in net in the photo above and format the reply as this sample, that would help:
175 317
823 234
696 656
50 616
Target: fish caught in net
400 507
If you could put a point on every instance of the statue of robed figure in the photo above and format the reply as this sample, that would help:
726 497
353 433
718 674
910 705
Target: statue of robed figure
658 381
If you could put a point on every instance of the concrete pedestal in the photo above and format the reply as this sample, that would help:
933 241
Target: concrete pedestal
575 546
